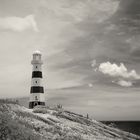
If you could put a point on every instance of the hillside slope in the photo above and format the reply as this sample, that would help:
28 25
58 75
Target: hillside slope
46 123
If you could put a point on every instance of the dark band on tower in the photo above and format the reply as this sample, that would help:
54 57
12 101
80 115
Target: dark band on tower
37 90
37 74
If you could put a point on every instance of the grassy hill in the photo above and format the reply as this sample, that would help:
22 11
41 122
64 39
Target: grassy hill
53 123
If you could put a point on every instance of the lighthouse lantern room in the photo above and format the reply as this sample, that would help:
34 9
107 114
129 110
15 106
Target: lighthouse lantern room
37 96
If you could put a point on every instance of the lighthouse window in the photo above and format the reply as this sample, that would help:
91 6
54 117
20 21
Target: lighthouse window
37 57
36 82
36 98
36 67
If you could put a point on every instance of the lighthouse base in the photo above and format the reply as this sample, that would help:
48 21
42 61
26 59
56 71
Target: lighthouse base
35 103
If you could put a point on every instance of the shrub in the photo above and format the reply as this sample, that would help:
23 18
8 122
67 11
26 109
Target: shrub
13 130
59 106
40 109
9 101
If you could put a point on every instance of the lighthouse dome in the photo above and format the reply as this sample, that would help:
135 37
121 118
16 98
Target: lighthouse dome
37 52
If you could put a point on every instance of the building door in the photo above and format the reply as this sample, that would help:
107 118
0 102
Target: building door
35 103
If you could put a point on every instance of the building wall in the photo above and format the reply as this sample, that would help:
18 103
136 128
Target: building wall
37 82
40 97
37 67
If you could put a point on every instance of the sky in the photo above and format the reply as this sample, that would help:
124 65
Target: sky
89 47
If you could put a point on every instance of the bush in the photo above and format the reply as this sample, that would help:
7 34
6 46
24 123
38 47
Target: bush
50 110
40 109
59 106
9 101
12 130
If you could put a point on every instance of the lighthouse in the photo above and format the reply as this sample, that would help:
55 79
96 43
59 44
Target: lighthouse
37 96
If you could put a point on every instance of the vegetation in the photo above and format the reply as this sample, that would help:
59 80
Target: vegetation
9 101
12 130
52 123
46 109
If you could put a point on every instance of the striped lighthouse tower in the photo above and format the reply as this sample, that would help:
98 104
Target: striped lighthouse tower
37 96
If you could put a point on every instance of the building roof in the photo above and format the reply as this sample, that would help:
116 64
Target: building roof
36 52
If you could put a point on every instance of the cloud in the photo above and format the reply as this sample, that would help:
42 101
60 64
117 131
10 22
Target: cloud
93 63
123 83
90 85
117 71
18 23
